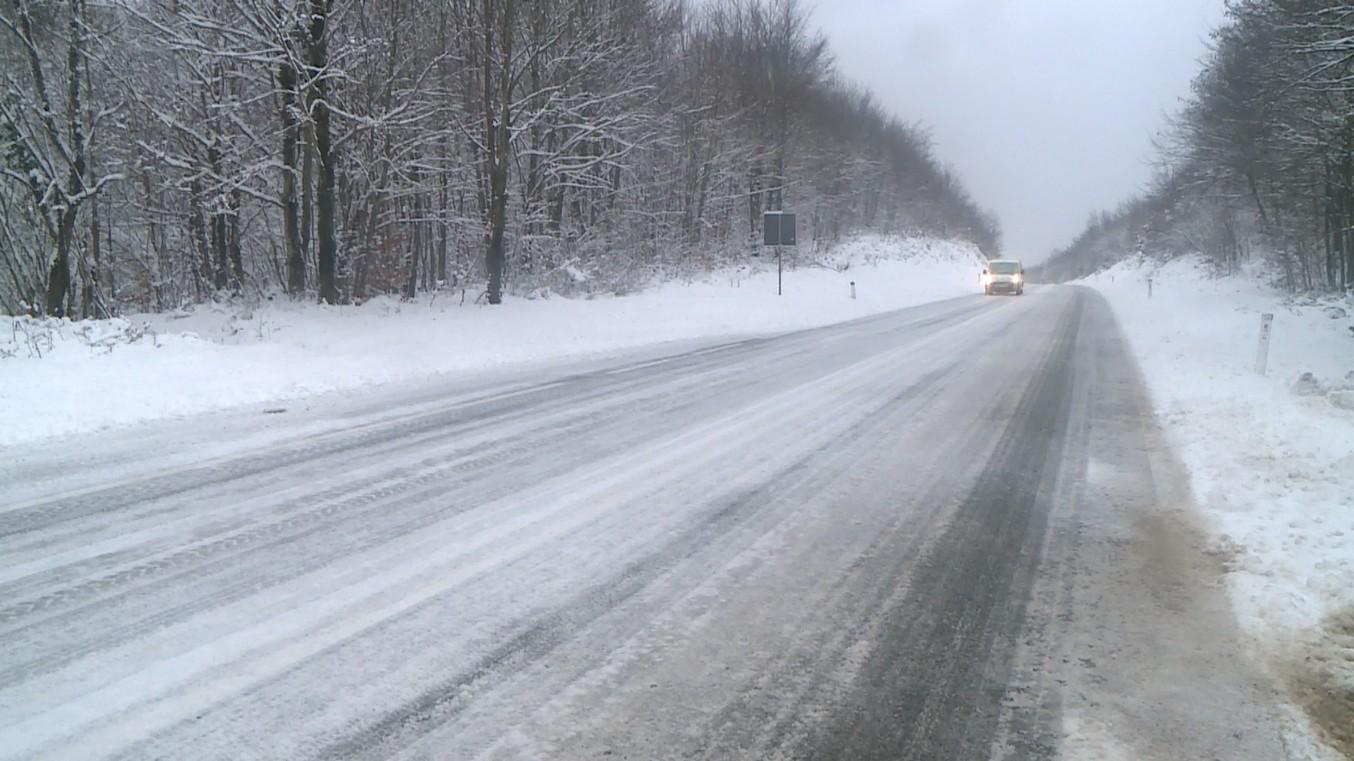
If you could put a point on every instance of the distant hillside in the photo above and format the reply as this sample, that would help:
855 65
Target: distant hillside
1258 166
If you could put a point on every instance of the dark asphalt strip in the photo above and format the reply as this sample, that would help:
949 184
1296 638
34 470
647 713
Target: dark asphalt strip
932 686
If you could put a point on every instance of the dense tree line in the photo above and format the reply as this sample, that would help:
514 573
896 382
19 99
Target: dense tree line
1259 163
159 153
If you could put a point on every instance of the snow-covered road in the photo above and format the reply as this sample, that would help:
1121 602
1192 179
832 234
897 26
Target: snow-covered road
949 532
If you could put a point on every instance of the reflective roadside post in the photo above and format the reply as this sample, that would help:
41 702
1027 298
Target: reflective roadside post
1262 351
853 289
778 229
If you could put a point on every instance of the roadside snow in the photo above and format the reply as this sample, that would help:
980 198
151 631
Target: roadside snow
59 377
1273 470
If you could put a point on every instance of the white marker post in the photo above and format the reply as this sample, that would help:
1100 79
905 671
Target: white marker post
853 289
1262 351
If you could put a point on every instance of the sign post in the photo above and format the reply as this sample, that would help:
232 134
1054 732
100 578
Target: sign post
778 229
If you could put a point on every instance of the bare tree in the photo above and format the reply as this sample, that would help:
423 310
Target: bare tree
51 156
361 149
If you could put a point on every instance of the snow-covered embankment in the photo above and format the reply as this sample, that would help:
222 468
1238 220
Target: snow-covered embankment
59 377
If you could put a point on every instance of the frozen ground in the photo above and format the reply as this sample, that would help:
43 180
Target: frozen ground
1272 469
58 378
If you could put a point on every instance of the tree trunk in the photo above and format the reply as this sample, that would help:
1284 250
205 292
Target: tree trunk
415 243
307 188
1346 217
220 266
496 131
439 274
754 199
325 200
92 301
1255 196
197 225
111 253
291 137
443 214
91 298
234 246
59 275
498 212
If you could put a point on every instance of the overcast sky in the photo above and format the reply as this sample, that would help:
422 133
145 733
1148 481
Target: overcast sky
1046 108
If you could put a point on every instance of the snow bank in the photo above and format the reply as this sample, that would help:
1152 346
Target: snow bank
59 377
1273 470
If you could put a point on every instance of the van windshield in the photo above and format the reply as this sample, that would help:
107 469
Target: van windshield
1004 268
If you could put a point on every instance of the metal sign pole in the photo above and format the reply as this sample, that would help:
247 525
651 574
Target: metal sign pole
778 231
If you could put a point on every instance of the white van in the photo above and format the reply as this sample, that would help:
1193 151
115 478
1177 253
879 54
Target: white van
1003 276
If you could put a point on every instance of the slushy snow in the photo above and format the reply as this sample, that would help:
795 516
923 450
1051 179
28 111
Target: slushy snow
1272 467
60 377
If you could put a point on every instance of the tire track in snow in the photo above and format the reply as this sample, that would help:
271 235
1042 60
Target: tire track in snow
541 634
391 507
766 362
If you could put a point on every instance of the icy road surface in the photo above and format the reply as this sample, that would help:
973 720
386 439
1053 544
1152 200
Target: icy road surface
949 532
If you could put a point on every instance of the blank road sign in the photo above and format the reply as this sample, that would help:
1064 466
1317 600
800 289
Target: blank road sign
778 228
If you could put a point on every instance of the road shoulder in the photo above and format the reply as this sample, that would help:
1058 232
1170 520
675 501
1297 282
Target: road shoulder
1132 650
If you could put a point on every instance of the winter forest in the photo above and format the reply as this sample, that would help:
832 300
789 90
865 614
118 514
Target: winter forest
1258 165
162 153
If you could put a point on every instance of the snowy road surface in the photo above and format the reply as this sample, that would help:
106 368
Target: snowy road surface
949 532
